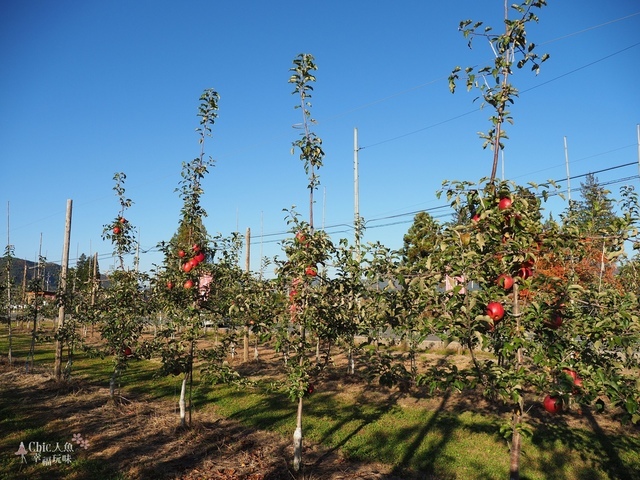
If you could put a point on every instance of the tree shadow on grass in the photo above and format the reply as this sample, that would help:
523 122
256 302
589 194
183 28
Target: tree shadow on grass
427 465
355 414
598 450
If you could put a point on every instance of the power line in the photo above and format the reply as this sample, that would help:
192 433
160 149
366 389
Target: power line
520 92
589 28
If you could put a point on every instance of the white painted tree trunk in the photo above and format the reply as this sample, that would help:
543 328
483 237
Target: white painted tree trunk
351 364
297 439
183 402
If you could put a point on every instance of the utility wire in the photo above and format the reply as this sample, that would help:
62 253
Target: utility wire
413 132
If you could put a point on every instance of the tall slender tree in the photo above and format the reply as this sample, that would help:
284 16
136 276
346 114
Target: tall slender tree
307 250
187 265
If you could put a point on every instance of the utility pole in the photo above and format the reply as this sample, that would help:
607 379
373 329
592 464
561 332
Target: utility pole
356 193
57 370
566 160
638 134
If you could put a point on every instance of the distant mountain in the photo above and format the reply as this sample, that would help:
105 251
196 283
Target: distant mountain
25 271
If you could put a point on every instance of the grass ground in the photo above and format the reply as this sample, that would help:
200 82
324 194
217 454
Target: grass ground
352 429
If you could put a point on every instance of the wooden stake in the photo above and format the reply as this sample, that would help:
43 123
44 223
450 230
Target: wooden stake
57 369
247 260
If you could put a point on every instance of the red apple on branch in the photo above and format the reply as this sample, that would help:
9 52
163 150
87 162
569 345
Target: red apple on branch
116 230
505 281
188 284
169 284
199 257
555 321
552 404
123 220
495 311
505 203
127 351
577 381
310 271
525 272
187 267
181 253
301 237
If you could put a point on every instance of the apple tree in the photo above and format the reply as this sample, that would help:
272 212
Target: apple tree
5 302
183 284
300 274
122 308
308 313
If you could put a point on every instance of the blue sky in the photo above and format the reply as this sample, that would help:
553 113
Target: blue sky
92 88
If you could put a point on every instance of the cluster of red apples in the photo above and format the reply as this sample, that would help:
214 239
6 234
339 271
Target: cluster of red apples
553 403
198 256
309 271
117 228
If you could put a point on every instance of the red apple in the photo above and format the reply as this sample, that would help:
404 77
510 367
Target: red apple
505 203
555 321
187 267
196 248
123 220
577 381
127 351
310 271
199 257
181 253
169 284
495 311
300 237
475 218
188 284
505 281
310 388
117 230
552 404
525 272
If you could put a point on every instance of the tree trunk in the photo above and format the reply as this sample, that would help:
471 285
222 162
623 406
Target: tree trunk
246 344
183 402
297 439
9 355
112 383
350 362
32 347
516 438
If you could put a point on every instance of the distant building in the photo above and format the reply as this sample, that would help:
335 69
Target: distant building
45 295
